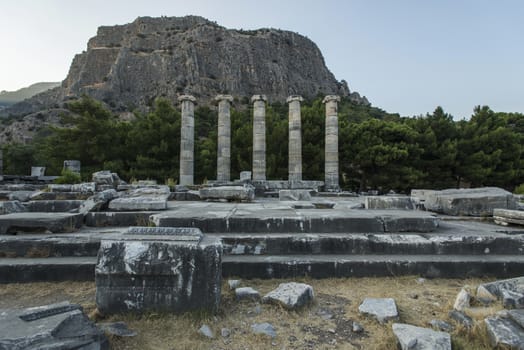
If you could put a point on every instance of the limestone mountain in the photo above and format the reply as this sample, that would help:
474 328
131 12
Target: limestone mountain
128 66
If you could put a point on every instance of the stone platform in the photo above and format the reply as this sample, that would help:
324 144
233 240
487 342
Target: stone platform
270 238
278 217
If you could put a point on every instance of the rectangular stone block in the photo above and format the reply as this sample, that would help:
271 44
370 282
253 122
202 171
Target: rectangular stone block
294 195
469 201
389 203
158 271
229 193
507 216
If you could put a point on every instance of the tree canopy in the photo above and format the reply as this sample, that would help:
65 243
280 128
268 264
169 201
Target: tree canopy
377 150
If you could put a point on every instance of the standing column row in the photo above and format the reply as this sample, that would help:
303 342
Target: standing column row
295 139
259 137
224 138
187 139
331 144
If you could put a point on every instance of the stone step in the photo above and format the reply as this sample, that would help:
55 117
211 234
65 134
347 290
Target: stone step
323 243
259 219
118 218
327 266
23 270
40 222
87 241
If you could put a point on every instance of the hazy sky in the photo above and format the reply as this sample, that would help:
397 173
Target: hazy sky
406 56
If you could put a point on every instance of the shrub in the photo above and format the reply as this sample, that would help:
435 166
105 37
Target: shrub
519 189
68 177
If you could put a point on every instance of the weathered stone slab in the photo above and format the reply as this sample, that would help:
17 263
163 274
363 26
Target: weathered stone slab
52 196
418 338
389 202
59 206
229 193
84 187
158 272
22 196
50 327
503 331
8 207
37 171
470 202
507 216
186 196
144 198
511 291
98 201
118 218
291 295
461 318
383 309
294 195
59 187
245 176
246 293
192 234
40 222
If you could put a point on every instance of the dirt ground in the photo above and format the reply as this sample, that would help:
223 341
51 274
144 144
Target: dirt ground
326 324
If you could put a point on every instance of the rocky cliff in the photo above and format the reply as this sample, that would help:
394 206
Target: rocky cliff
128 66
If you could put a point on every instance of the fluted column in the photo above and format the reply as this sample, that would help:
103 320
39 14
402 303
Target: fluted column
331 144
295 139
224 138
187 139
259 137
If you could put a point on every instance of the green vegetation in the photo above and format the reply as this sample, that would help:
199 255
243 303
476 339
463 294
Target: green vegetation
68 177
378 150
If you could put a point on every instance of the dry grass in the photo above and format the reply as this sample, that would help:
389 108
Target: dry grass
310 328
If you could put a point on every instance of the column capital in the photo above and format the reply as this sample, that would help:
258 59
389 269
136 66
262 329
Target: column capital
329 98
294 98
183 98
258 98
228 98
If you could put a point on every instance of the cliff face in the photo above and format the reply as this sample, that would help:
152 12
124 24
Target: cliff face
128 66
136 62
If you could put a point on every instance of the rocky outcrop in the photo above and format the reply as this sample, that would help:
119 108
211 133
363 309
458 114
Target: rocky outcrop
128 66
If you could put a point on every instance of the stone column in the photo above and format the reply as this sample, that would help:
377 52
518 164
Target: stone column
187 139
295 139
331 145
224 138
259 137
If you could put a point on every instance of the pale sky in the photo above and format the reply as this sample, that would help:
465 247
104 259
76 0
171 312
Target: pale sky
406 56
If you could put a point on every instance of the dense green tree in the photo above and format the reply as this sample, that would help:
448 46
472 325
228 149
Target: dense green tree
153 143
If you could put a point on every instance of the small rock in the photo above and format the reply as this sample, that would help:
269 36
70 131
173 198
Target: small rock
441 325
462 301
118 329
291 295
461 318
418 338
502 331
225 332
264 328
332 331
421 280
206 331
383 309
233 284
258 310
247 293
357 327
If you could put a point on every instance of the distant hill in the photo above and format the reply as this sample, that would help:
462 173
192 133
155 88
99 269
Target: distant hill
8 98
